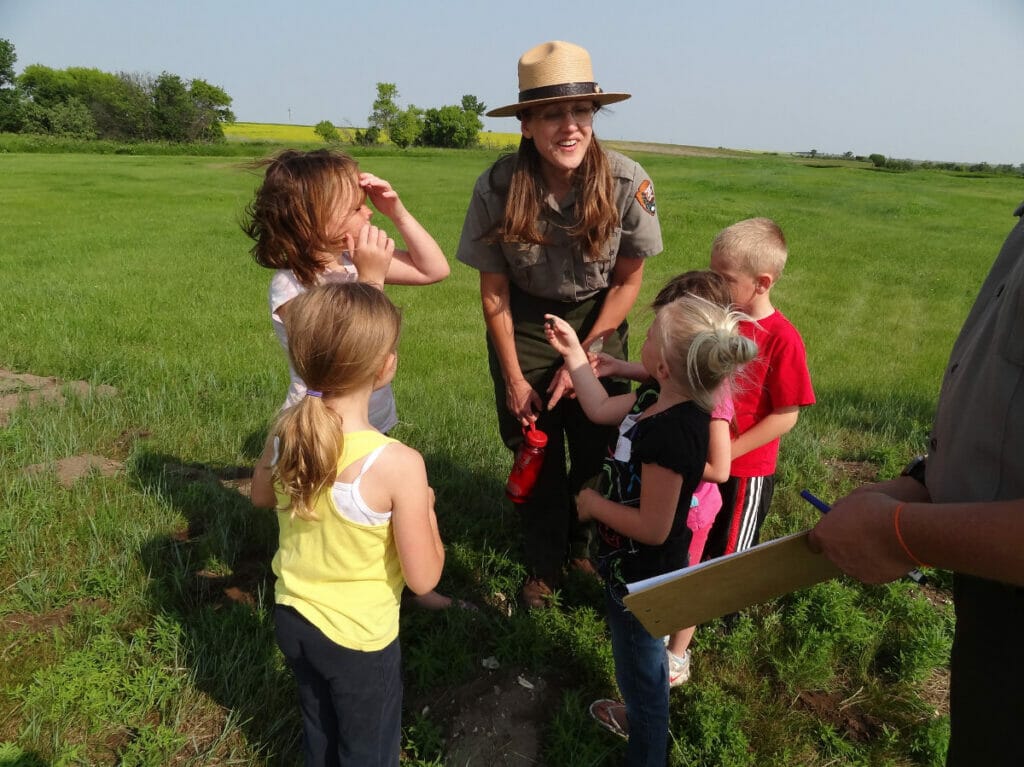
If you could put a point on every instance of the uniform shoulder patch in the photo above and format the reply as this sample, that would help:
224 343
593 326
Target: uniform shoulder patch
645 196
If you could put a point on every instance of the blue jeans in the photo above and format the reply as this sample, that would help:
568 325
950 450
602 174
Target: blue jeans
641 670
351 701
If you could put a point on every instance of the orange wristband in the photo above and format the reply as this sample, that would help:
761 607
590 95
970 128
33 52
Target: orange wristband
899 536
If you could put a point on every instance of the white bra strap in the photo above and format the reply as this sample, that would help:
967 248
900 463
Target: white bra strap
368 462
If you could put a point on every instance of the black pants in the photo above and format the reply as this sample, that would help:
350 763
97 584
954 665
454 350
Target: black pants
351 701
745 504
986 693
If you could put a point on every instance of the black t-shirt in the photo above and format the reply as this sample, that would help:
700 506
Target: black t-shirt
676 439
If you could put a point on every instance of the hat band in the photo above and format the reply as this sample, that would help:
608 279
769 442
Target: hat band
563 90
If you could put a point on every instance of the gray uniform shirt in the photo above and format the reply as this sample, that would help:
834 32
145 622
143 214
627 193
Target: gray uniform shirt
558 270
977 444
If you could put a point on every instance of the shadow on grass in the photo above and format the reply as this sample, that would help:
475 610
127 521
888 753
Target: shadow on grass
213 578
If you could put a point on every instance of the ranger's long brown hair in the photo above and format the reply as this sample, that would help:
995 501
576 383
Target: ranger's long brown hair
596 215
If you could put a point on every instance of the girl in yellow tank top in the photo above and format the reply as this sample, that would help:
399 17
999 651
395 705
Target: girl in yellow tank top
357 524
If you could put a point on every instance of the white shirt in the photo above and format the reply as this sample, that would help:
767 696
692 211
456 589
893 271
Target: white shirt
283 288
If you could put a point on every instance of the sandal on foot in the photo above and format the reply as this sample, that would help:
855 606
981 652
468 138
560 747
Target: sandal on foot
611 714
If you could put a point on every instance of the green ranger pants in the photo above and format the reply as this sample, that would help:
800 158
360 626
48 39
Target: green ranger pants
576 447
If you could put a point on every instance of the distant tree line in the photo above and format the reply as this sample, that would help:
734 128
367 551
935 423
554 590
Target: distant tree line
87 103
891 163
456 127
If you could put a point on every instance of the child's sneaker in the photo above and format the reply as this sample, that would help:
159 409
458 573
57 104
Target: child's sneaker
678 668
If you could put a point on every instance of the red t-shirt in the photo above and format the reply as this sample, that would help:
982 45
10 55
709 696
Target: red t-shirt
777 378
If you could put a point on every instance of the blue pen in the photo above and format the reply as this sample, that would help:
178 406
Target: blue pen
915 575
815 501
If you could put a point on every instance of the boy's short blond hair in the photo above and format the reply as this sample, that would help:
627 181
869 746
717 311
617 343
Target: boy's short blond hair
754 246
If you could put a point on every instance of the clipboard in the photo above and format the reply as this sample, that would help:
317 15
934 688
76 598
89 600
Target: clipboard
712 589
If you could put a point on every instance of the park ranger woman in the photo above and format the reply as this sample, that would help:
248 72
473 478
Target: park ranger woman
561 227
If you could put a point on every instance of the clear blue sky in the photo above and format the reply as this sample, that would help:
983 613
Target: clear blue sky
920 79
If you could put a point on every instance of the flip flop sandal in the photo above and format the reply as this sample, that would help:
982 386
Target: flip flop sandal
611 714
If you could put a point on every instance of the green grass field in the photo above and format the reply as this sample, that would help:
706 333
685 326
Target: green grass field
134 620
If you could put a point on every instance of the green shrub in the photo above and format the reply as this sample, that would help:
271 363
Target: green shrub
325 129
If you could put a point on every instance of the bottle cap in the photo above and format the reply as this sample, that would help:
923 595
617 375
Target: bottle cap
535 437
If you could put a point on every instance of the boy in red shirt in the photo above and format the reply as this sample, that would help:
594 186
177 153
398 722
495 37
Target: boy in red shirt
750 255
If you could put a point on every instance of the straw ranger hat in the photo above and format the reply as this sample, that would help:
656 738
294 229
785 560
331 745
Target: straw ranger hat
556 71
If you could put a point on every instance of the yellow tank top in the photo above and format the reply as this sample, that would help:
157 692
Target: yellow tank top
342 575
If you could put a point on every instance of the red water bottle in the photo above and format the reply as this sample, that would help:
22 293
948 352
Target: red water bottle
529 458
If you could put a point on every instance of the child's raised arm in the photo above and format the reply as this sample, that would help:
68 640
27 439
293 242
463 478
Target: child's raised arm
401 470
605 366
423 262
595 401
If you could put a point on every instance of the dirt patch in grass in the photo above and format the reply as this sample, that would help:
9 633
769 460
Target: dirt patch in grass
844 715
35 623
935 691
855 472
24 388
125 442
495 719
71 469
18 389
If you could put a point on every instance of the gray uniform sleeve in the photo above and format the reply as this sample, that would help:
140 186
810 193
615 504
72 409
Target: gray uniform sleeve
641 231
485 208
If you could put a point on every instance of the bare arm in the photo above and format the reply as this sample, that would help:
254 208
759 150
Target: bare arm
522 401
652 521
606 366
773 425
422 262
599 406
262 488
623 288
981 539
401 469
719 452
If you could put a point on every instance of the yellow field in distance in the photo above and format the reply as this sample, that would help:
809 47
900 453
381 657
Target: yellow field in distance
282 133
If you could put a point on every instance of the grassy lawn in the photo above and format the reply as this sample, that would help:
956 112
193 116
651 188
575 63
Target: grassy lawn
134 606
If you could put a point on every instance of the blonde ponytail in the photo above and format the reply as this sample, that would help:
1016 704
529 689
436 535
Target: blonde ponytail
703 346
311 439
339 338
